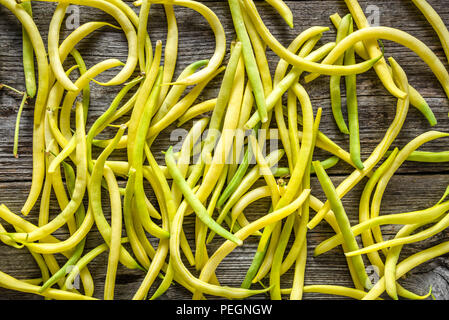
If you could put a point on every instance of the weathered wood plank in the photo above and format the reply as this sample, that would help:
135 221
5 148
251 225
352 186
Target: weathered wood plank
416 186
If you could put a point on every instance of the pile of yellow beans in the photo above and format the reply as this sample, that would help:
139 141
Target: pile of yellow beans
222 165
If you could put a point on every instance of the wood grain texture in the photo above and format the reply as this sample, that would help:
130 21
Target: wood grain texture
415 186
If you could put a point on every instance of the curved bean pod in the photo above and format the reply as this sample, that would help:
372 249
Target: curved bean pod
184 273
408 264
298 61
220 38
128 30
373 50
80 186
379 151
8 282
392 34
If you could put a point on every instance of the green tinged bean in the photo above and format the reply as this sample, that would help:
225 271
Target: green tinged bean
40 261
85 260
253 269
18 117
251 177
364 207
176 90
212 183
137 161
275 276
81 182
142 33
327 163
283 9
193 201
392 260
136 245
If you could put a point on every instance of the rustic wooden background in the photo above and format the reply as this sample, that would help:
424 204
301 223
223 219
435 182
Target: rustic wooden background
413 187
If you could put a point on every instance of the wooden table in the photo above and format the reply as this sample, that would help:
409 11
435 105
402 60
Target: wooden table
415 186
